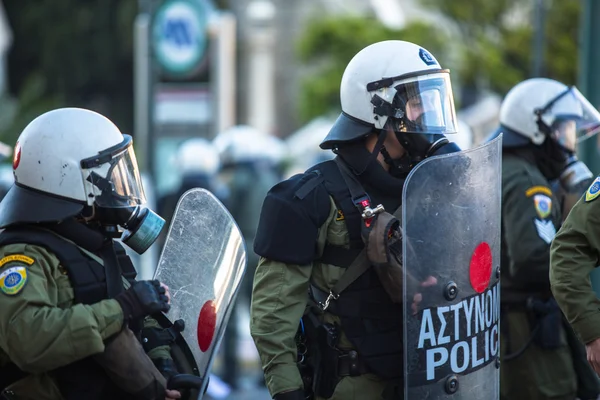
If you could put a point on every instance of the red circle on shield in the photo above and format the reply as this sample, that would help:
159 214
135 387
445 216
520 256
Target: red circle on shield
17 156
480 270
207 321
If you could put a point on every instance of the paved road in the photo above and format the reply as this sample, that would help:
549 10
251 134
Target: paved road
256 394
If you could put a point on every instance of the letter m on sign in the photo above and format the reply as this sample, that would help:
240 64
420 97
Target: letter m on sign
178 32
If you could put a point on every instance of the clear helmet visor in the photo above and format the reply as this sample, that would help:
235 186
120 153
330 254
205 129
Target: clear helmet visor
426 104
575 119
117 177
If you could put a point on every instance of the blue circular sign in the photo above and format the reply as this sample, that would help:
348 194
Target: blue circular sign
180 36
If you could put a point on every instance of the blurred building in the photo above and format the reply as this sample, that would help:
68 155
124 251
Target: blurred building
286 24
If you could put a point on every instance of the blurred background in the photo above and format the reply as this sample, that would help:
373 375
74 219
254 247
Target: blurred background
235 95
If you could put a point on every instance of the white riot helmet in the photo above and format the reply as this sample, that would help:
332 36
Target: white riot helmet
242 143
540 108
198 156
71 161
399 85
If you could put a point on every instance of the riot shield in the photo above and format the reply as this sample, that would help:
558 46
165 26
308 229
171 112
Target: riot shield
203 262
451 254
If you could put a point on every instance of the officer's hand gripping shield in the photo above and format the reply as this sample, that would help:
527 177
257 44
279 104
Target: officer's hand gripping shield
451 258
203 263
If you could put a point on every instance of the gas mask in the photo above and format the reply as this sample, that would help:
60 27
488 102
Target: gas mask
565 120
117 197
418 147
421 113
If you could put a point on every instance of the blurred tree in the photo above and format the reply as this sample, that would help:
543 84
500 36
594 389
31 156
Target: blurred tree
491 48
329 44
499 38
71 53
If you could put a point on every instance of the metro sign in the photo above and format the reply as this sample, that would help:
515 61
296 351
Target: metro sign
179 33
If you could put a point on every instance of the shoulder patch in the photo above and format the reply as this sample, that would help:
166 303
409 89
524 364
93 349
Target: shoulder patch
543 205
16 257
340 215
593 191
546 230
13 280
538 190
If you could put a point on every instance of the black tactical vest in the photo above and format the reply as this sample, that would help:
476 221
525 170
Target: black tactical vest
370 320
84 378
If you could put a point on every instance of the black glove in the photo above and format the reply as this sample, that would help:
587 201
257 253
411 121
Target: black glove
142 299
295 395
166 366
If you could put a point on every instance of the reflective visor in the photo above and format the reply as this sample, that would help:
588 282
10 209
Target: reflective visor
427 103
115 172
125 177
575 118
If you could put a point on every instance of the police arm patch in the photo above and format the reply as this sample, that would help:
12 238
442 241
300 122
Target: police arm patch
543 205
546 230
22 258
593 191
13 280
538 190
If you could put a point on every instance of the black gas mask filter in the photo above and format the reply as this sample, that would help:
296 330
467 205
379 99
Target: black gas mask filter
418 147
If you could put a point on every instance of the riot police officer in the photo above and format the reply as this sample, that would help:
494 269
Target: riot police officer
70 307
249 166
197 162
397 105
539 119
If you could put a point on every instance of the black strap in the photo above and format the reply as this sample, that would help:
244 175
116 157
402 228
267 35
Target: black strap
357 192
338 256
310 185
358 267
127 267
335 186
114 282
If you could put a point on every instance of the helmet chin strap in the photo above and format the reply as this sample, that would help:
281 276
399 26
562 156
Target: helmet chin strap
398 168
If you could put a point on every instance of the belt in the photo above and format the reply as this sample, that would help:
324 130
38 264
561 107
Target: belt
350 364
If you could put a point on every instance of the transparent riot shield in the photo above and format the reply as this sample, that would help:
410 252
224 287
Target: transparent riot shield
203 263
451 244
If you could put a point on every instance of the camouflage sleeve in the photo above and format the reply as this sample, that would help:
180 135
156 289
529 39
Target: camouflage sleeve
40 329
159 351
574 254
528 218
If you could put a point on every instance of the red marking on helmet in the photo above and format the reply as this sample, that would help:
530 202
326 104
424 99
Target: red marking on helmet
207 321
480 270
17 156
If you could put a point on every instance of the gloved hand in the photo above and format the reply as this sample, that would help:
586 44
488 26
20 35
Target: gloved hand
293 395
142 299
